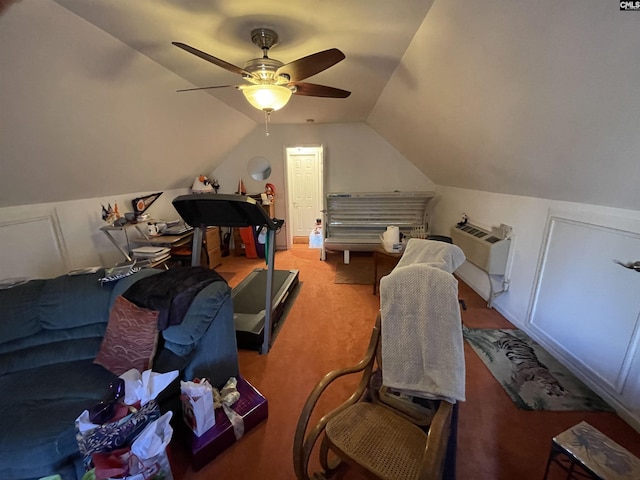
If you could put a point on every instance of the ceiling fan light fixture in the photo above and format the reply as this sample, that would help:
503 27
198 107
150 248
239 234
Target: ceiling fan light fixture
267 97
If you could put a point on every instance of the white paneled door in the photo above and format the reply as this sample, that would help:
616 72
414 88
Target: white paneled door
304 189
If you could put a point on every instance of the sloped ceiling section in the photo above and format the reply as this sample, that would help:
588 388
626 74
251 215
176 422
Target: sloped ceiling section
84 115
373 34
527 98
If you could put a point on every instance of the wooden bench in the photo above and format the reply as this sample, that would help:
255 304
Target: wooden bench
582 451
355 221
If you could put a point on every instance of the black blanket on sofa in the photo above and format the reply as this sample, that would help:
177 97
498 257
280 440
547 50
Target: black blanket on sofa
171 292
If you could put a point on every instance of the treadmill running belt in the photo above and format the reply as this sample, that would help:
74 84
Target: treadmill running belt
249 305
250 298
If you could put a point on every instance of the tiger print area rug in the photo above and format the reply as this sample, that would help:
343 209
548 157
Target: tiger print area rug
531 376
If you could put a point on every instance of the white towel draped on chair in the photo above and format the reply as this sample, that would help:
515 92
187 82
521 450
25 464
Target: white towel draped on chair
445 256
422 345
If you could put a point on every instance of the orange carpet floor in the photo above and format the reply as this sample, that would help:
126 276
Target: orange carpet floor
328 327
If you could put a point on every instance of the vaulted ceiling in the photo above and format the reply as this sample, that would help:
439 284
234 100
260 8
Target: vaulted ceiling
373 34
527 98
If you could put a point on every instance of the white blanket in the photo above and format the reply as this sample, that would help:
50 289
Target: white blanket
442 255
422 345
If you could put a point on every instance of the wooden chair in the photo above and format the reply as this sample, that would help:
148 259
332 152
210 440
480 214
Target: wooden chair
374 430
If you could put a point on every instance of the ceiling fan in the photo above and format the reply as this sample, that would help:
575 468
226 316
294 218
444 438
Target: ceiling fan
271 82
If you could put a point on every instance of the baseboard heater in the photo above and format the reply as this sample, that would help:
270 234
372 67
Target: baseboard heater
487 250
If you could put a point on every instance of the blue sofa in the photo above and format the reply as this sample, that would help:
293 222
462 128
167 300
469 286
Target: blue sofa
50 333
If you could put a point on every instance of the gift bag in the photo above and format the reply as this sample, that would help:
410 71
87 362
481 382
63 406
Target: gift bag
150 451
114 423
115 435
146 459
197 405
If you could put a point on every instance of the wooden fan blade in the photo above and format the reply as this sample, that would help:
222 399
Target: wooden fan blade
310 65
210 58
205 88
313 90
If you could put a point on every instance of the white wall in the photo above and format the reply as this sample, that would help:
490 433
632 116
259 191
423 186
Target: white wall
356 159
62 236
85 115
528 216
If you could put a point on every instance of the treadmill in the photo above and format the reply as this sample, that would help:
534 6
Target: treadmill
259 300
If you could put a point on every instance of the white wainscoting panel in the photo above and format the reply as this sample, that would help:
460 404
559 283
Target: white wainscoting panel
585 305
32 247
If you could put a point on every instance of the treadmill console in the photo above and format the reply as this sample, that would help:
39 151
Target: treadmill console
216 209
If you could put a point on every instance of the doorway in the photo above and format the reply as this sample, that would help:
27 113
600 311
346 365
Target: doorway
305 191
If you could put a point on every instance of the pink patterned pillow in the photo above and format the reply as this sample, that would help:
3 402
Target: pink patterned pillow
131 338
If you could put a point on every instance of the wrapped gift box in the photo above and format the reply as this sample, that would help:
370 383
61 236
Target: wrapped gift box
251 406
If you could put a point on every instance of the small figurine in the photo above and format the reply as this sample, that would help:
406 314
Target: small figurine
201 185
111 215
241 189
270 191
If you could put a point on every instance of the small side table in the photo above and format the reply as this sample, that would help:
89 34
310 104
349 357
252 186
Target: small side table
594 454
143 239
380 254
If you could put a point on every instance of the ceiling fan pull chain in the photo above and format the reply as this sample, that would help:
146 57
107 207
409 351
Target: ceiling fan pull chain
267 118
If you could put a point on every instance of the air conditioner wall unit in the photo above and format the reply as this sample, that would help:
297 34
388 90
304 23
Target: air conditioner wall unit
482 248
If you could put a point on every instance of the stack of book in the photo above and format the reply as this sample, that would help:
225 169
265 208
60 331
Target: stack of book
150 255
